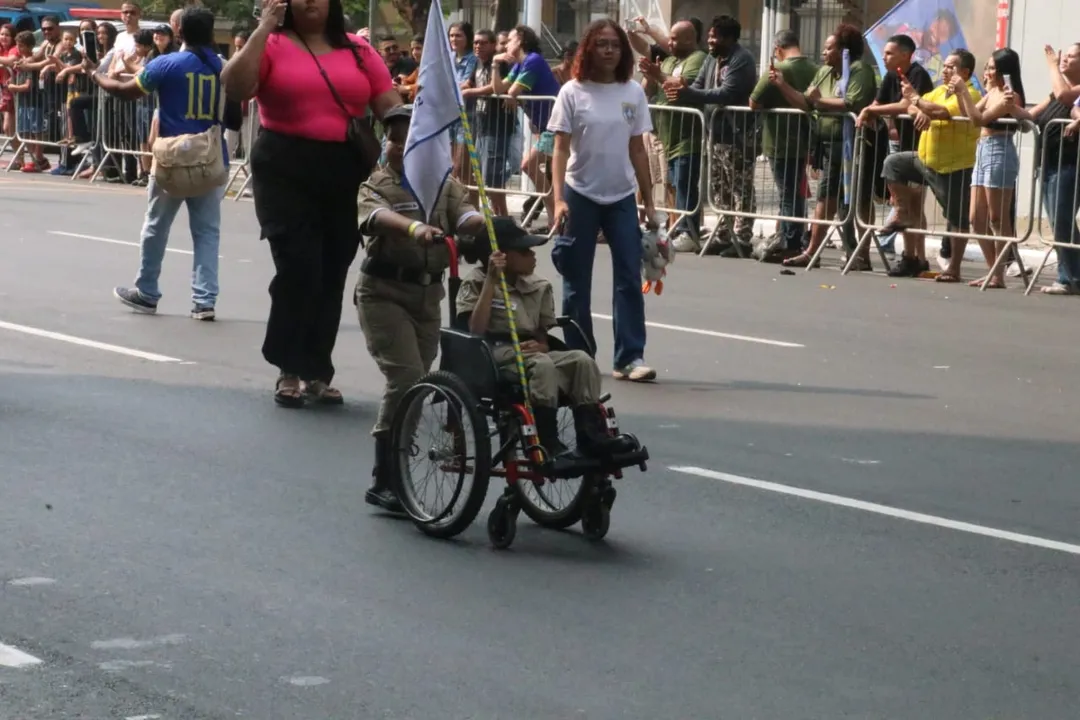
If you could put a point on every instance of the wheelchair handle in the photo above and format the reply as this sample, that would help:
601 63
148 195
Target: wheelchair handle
451 247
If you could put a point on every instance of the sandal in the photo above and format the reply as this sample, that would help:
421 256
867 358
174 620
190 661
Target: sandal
321 392
800 261
287 392
947 277
994 283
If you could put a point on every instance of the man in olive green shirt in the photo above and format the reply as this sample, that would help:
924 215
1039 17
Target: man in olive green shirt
680 133
786 143
824 99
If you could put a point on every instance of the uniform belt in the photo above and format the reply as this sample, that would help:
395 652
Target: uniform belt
389 271
503 338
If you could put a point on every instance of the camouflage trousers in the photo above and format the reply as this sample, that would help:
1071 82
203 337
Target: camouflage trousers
731 187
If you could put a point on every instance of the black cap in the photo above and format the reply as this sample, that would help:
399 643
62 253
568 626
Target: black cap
511 236
399 112
163 28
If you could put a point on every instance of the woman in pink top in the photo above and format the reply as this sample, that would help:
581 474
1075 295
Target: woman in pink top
310 78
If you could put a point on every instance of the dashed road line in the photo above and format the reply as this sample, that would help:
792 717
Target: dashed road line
13 657
712 333
885 510
83 342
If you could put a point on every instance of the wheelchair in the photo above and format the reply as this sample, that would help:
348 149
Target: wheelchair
482 428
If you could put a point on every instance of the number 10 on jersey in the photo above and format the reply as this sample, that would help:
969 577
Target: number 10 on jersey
202 97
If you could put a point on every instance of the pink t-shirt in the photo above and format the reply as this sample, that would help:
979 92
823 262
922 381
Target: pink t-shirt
294 99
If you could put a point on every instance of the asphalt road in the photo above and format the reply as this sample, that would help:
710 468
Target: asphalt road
862 506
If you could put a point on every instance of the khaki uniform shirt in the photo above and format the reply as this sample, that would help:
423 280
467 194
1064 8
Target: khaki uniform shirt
531 298
384 191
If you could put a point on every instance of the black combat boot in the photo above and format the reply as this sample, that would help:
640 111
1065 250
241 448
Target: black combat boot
592 434
547 430
379 493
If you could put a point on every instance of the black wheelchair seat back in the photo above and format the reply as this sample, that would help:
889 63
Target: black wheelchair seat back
469 357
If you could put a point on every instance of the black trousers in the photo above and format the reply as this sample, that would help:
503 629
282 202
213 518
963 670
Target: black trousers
305 199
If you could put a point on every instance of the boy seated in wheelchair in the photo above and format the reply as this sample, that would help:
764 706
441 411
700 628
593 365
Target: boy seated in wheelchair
551 372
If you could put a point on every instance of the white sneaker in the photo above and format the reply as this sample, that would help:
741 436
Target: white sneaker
685 244
1059 289
636 371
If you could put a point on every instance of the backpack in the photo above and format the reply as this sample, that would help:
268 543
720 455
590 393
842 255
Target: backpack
192 165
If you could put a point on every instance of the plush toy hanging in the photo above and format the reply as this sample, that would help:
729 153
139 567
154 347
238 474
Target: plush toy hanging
655 257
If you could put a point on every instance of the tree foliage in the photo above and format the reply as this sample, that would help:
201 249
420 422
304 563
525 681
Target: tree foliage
240 12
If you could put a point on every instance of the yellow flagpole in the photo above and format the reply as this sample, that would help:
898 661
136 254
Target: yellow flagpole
485 208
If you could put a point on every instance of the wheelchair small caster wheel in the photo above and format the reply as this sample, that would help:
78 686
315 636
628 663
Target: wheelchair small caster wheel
502 526
595 521
607 497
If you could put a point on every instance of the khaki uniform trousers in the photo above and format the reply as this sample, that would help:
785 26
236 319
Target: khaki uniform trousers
401 325
570 372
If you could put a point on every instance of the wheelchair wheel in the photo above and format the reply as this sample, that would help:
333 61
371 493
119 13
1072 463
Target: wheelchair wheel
439 431
556 504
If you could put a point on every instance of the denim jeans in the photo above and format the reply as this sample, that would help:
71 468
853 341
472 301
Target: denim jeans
204 219
789 174
1059 199
684 174
619 221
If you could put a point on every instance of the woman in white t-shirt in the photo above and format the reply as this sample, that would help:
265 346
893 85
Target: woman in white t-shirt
600 161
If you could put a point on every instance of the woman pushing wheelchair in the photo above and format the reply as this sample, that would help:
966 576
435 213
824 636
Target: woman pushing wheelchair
571 376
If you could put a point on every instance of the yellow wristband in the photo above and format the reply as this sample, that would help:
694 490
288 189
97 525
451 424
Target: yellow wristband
412 227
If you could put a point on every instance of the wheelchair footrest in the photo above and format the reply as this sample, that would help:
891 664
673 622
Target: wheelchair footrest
567 467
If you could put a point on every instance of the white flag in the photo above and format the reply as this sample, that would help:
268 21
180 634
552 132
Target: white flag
436 108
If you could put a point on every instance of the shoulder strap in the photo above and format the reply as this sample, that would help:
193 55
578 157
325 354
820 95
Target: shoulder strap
326 78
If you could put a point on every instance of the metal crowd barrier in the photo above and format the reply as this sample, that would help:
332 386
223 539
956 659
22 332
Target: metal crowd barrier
1001 212
1058 169
40 113
124 131
498 124
747 182
676 157
240 150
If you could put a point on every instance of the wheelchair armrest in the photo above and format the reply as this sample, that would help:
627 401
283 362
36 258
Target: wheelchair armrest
572 332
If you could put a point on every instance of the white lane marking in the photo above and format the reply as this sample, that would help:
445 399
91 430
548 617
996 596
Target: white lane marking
15 658
857 461
118 665
143 717
886 510
712 333
83 342
111 241
28 581
305 680
133 644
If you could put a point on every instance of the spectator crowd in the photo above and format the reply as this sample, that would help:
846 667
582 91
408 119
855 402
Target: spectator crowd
782 158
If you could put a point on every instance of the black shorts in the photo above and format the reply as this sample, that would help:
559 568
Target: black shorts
952 190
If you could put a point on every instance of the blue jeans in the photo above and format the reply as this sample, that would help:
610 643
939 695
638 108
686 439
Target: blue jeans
684 174
1059 199
619 221
789 174
204 219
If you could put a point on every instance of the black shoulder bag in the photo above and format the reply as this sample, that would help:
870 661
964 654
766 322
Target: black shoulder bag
359 134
